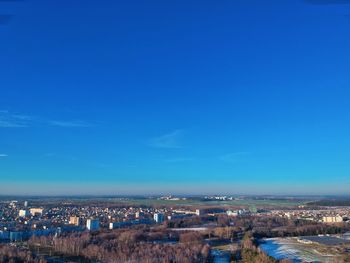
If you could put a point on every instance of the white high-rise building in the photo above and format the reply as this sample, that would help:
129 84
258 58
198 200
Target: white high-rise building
158 217
93 224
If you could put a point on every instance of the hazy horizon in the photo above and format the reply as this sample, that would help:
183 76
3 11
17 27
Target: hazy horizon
159 190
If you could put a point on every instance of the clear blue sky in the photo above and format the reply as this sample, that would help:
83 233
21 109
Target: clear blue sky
114 97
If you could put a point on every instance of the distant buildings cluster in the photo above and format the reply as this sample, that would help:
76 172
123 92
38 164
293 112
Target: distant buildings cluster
19 221
326 215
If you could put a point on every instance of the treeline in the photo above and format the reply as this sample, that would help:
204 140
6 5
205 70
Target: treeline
220 220
189 222
331 202
234 227
283 227
13 254
132 245
161 244
250 252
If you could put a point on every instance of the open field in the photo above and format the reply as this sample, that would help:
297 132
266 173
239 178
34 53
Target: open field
191 202
152 201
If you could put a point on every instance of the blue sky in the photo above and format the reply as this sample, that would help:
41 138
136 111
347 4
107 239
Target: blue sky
119 97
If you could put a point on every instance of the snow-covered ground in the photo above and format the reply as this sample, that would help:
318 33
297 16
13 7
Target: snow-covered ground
281 248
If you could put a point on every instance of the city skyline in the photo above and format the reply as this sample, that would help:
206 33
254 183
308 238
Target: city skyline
236 97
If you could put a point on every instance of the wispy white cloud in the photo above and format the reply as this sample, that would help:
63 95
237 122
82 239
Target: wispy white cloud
11 124
2 155
8 120
66 157
23 117
233 157
76 123
14 120
170 140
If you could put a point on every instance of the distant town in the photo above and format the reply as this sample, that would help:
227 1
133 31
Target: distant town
212 229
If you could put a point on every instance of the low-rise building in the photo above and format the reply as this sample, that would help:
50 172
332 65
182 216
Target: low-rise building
74 220
36 211
23 213
332 219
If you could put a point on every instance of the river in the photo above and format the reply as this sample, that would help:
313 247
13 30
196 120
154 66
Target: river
220 256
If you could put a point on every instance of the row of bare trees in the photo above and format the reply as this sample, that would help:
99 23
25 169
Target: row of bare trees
250 252
128 245
13 254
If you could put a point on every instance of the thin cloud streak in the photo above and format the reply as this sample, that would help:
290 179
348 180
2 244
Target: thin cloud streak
8 120
2 155
11 124
11 120
233 157
70 123
178 160
170 140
